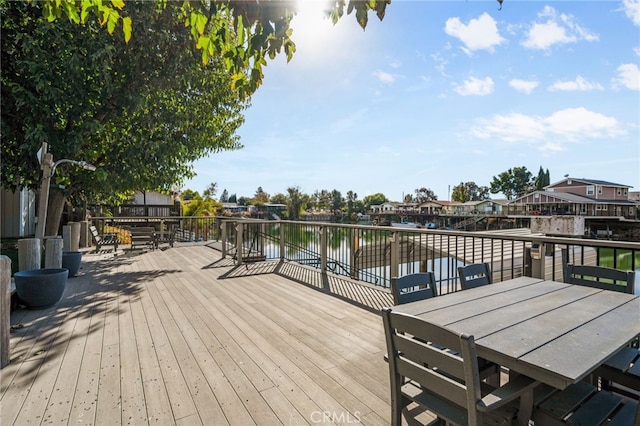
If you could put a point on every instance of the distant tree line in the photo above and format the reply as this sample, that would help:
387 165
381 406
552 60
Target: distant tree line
513 183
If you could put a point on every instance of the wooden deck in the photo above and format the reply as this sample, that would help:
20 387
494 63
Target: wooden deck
180 336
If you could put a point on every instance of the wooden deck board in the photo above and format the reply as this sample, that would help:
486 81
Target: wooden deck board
159 338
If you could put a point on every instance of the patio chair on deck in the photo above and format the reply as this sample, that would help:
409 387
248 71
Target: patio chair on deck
621 373
443 376
474 275
600 277
412 287
583 404
422 285
104 239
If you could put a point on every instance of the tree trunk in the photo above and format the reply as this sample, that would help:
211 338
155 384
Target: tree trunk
54 211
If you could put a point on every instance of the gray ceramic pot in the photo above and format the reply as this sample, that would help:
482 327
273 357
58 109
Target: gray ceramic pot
41 288
71 260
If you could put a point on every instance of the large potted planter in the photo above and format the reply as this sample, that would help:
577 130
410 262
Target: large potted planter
41 288
71 260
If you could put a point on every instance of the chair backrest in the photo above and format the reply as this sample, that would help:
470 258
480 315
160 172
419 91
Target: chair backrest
446 367
412 287
474 275
95 234
600 277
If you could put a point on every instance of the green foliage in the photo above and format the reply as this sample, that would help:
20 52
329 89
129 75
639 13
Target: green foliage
189 194
469 191
244 33
513 183
211 190
374 200
202 207
141 115
424 194
542 179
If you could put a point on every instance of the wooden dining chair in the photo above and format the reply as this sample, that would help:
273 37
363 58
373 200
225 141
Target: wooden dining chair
412 287
583 404
621 373
421 286
443 376
600 277
474 275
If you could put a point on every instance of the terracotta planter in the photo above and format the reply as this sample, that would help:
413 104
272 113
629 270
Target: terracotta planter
41 288
71 260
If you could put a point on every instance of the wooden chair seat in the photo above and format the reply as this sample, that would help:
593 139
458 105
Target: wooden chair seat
583 404
621 373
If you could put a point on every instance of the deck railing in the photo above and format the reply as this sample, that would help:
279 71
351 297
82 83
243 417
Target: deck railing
376 254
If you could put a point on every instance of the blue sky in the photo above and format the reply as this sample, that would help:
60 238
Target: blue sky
443 92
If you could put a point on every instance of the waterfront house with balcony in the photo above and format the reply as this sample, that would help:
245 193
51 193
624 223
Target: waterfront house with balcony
584 197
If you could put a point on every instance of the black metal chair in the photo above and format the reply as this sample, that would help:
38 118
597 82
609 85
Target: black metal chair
474 275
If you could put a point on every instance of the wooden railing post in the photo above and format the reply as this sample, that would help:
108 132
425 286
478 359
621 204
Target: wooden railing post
323 249
353 251
239 243
282 246
5 309
394 246
223 237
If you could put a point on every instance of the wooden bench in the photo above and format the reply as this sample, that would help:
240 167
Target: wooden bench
104 240
142 236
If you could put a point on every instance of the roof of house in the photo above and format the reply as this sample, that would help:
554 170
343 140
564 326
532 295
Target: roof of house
574 198
590 182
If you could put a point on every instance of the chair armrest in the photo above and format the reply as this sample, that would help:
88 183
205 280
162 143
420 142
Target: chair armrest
511 391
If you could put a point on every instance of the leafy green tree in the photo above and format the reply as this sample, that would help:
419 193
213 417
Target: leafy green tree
424 194
337 202
140 115
211 190
352 197
295 201
279 199
542 179
224 197
469 191
233 198
260 198
202 207
513 183
374 200
244 32
189 194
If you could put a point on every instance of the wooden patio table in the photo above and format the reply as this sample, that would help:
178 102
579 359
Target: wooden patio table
554 332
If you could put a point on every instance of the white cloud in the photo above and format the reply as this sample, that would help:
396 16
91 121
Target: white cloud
628 76
632 10
385 77
636 50
524 86
579 84
555 29
480 34
475 86
569 125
